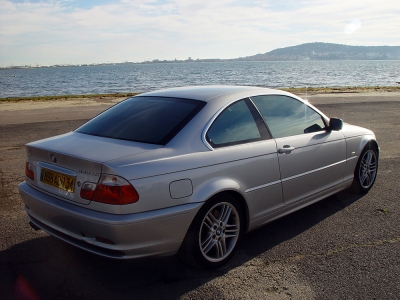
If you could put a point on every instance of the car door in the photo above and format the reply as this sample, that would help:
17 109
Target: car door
240 138
312 158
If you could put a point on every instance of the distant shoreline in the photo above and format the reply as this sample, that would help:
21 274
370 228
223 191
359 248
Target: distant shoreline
316 51
211 60
301 90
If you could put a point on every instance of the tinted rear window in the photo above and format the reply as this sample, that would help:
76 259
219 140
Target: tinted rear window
154 120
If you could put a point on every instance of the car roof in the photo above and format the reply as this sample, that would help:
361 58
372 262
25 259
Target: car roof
210 92
221 95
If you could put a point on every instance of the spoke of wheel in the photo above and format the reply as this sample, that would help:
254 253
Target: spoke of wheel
369 158
207 244
212 219
209 226
223 244
363 177
227 214
368 180
231 231
230 235
364 163
221 250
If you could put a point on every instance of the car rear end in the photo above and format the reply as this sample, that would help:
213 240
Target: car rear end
67 194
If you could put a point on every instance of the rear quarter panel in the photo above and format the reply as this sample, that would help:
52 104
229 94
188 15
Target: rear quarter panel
237 168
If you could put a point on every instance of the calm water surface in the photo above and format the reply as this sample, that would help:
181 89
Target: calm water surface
146 77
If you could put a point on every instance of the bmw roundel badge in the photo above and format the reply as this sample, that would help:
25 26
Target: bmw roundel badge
53 158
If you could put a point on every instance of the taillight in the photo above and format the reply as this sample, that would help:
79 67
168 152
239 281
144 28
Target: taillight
29 171
110 189
87 190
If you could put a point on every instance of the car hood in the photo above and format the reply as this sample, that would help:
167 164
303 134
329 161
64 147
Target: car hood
353 130
92 148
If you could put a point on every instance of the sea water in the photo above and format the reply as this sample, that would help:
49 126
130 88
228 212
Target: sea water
123 78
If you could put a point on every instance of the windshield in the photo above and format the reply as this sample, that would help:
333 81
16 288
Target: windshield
154 120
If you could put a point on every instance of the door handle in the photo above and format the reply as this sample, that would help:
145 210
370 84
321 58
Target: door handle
286 149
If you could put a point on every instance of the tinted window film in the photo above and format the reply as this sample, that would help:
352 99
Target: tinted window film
233 126
154 120
286 116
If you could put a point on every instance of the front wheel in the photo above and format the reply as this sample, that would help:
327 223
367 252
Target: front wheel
214 234
366 170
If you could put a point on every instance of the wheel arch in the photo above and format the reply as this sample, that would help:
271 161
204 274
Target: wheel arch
187 252
218 187
243 205
358 184
368 140
374 143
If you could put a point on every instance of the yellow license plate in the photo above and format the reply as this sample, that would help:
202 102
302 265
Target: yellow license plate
61 181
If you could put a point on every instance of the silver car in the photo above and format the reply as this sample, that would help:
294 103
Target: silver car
190 170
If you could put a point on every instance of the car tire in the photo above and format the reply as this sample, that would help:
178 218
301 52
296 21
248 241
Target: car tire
214 234
366 170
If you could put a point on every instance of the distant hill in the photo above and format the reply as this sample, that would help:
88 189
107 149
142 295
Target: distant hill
327 51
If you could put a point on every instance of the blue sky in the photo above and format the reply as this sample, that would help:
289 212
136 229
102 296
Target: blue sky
48 32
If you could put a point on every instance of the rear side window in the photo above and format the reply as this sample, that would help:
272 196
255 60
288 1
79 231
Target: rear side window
154 120
236 125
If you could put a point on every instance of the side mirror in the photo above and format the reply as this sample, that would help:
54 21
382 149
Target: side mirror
335 124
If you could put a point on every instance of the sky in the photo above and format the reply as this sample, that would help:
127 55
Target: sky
49 32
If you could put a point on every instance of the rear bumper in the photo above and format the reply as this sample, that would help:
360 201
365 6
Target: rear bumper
152 233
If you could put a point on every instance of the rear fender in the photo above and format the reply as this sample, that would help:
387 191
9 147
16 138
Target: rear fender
214 186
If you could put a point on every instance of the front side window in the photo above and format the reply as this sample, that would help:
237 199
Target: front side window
235 125
286 116
154 120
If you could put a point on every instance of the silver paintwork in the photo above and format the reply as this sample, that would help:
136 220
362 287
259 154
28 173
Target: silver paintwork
136 235
271 178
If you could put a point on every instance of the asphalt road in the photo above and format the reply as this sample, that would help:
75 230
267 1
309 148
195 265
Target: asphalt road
344 247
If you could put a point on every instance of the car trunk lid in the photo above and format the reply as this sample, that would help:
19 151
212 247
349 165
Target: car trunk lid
62 164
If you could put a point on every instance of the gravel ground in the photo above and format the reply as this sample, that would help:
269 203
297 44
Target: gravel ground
344 247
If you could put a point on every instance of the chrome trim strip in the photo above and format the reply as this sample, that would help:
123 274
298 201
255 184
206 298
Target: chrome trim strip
262 186
313 171
296 176
57 169
287 209
352 158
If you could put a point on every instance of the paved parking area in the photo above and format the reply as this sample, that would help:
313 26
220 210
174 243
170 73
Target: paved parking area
344 247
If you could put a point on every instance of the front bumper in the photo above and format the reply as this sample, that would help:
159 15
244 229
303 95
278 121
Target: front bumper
152 233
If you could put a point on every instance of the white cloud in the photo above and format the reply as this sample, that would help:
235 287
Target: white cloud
66 32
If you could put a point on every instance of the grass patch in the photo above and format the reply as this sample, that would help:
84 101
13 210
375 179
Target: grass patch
346 89
68 97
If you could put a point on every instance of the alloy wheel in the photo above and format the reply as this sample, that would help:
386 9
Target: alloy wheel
219 232
368 167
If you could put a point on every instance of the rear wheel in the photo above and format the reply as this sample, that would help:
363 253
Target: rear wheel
214 234
366 170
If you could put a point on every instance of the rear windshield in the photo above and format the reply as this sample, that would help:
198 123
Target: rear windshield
154 120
